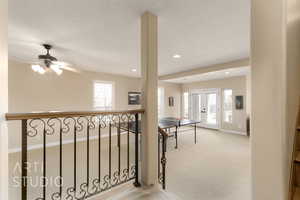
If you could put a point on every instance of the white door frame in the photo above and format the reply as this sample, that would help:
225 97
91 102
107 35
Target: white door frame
209 90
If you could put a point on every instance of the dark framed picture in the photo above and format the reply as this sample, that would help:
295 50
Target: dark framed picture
134 98
239 102
171 101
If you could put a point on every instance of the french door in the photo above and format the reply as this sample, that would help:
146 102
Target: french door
205 107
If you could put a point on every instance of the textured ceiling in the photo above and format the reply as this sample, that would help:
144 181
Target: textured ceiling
104 35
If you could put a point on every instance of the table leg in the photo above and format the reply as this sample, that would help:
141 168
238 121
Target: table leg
176 137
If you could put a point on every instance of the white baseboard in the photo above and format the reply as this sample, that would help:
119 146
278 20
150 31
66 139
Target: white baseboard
233 132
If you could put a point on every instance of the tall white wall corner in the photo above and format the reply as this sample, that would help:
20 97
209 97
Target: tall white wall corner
149 165
268 94
248 93
3 100
4 160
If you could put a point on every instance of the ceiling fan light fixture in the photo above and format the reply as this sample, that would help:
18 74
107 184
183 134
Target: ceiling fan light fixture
41 70
56 69
38 69
35 68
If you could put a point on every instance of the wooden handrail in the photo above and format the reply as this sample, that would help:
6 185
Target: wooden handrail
58 114
161 131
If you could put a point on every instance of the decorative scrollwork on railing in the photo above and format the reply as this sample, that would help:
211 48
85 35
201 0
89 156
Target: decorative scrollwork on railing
93 120
106 183
83 192
88 190
124 175
96 187
71 193
80 123
33 126
84 128
162 139
51 125
101 121
56 196
67 123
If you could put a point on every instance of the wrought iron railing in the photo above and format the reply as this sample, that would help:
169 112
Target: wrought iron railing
90 126
162 160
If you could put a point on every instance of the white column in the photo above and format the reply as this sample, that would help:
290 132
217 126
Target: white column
149 101
268 62
3 101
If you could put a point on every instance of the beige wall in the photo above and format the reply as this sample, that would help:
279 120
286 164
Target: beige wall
171 90
293 76
238 86
275 94
268 63
248 93
29 91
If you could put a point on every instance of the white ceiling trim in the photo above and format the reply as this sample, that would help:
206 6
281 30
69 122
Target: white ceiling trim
206 69
213 75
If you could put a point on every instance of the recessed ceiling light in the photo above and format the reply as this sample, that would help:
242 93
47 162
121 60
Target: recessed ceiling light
133 70
227 72
176 56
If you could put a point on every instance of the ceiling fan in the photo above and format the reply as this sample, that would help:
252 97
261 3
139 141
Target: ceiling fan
50 63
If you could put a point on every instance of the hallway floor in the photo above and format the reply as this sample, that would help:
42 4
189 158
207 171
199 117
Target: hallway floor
216 168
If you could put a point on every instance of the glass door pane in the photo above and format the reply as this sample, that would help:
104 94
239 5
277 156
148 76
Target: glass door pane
199 107
205 107
195 111
211 114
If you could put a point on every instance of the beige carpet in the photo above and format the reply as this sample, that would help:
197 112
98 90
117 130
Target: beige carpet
216 168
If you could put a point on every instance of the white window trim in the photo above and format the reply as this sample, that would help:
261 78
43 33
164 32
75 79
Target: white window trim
223 109
162 106
113 92
183 105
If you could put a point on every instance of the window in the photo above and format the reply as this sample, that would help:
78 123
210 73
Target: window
186 105
160 102
103 95
227 105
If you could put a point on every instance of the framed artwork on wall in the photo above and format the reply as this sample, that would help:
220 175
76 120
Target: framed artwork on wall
239 102
134 98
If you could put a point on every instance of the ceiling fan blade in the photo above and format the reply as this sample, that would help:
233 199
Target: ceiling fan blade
70 69
60 63
65 66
